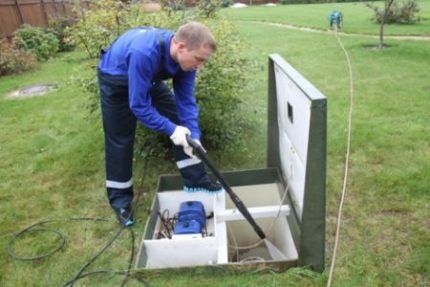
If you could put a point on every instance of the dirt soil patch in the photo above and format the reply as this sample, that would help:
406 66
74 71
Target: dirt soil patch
30 91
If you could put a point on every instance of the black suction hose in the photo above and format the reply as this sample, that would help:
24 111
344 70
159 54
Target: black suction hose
200 152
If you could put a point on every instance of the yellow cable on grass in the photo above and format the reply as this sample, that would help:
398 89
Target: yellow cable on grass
348 148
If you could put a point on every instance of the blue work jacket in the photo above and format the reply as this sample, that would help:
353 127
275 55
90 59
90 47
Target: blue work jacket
143 55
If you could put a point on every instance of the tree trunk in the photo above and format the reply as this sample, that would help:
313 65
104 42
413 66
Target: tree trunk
387 7
381 33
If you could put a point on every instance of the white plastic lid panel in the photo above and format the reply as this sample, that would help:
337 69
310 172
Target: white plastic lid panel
293 121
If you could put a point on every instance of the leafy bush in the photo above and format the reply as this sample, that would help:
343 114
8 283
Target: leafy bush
59 27
400 14
285 2
218 84
37 41
13 60
99 26
226 3
208 8
173 5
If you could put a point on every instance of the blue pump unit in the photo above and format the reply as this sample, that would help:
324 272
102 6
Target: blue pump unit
191 218
188 227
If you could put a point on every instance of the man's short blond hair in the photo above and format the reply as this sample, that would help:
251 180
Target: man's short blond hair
195 35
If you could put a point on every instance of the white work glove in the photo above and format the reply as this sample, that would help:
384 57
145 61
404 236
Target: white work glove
179 137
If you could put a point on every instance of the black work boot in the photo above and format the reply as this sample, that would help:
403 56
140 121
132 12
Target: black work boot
124 216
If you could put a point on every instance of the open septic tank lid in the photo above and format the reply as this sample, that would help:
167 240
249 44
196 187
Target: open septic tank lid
286 198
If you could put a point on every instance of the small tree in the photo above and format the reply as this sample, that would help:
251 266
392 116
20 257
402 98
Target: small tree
394 13
387 6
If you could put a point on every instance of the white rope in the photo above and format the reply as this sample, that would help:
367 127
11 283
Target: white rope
345 178
237 247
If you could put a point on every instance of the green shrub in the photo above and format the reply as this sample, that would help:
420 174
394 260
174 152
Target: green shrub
286 2
400 14
60 28
208 8
13 60
98 27
173 5
218 84
37 41
226 3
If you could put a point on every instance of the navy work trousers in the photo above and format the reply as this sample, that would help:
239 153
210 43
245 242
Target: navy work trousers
119 125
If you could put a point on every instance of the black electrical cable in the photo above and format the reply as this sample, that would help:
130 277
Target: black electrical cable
168 223
78 275
165 225
35 228
211 215
130 261
126 273
81 274
13 255
133 210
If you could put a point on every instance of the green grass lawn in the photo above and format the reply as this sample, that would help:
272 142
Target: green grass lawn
51 164
385 226
357 17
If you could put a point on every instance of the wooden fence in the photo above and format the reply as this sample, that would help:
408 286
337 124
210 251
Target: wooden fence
14 13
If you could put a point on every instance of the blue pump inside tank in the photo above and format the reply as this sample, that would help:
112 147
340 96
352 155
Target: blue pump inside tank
191 218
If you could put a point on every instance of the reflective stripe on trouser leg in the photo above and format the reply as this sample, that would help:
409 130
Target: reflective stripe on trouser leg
193 173
192 170
119 125
118 184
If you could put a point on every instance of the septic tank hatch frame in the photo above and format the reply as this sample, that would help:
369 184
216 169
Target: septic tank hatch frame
307 221
296 161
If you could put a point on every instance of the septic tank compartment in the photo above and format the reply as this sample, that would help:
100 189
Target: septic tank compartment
287 198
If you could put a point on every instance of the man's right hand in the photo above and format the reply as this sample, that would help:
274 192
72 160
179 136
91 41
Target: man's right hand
179 137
